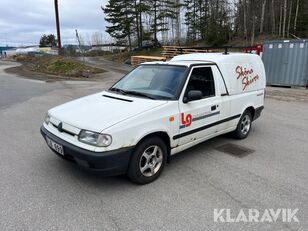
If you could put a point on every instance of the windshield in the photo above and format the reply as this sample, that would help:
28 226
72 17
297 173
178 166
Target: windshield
152 81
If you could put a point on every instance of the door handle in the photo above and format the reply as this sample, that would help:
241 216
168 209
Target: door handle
213 108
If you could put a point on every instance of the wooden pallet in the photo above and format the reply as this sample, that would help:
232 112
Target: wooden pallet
136 60
171 51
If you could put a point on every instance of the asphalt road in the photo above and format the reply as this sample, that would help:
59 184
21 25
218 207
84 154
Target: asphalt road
39 191
16 90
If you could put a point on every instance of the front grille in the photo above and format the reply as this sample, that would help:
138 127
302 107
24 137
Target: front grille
63 130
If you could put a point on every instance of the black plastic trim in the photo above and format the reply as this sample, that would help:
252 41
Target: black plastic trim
205 127
258 111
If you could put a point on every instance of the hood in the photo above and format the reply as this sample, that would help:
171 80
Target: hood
102 110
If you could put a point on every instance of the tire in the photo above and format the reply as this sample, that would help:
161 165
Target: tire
244 126
148 160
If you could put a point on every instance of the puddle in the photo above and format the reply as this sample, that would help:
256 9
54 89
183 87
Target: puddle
235 150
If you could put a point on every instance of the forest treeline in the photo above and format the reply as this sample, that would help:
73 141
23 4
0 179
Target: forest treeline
215 22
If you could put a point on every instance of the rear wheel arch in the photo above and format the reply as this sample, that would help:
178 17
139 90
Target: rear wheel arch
244 125
252 111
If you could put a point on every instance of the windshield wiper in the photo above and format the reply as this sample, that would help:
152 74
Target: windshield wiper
137 93
124 92
118 90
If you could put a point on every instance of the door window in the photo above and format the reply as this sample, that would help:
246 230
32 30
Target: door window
201 79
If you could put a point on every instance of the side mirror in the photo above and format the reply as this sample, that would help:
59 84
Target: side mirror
192 96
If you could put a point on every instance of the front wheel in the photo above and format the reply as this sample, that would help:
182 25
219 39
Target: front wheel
244 126
148 160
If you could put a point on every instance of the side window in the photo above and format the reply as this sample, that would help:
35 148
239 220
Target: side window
202 79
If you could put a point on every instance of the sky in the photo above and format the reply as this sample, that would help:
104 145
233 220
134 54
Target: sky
23 22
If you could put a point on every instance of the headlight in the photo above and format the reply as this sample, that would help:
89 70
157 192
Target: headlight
47 119
93 138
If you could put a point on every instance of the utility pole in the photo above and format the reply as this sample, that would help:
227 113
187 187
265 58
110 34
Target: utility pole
79 44
58 25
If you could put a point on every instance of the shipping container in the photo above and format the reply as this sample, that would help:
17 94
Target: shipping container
286 62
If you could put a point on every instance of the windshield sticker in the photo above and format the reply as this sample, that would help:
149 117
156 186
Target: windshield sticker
247 76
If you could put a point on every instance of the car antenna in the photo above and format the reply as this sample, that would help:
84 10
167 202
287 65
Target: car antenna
226 50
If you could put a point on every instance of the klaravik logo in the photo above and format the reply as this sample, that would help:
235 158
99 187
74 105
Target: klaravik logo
255 215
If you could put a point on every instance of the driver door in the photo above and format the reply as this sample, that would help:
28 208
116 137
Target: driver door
198 117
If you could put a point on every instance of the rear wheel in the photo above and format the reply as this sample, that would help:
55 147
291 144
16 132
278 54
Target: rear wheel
148 160
244 126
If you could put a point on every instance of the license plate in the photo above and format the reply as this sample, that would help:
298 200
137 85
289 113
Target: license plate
57 147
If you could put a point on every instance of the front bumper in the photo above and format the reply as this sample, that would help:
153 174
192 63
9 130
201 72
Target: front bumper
106 163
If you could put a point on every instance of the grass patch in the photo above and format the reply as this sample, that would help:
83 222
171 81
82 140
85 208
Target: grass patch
57 65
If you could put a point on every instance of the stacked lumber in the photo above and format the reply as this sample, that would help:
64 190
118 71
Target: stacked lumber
136 60
171 51
168 53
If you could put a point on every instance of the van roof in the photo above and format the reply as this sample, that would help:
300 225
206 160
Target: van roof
186 63
213 57
208 58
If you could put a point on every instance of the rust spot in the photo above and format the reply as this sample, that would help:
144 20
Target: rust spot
128 144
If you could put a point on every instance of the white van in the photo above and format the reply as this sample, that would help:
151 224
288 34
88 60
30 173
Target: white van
156 111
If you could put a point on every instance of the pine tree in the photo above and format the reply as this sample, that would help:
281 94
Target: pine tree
120 16
191 19
48 40
161 11
213 21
